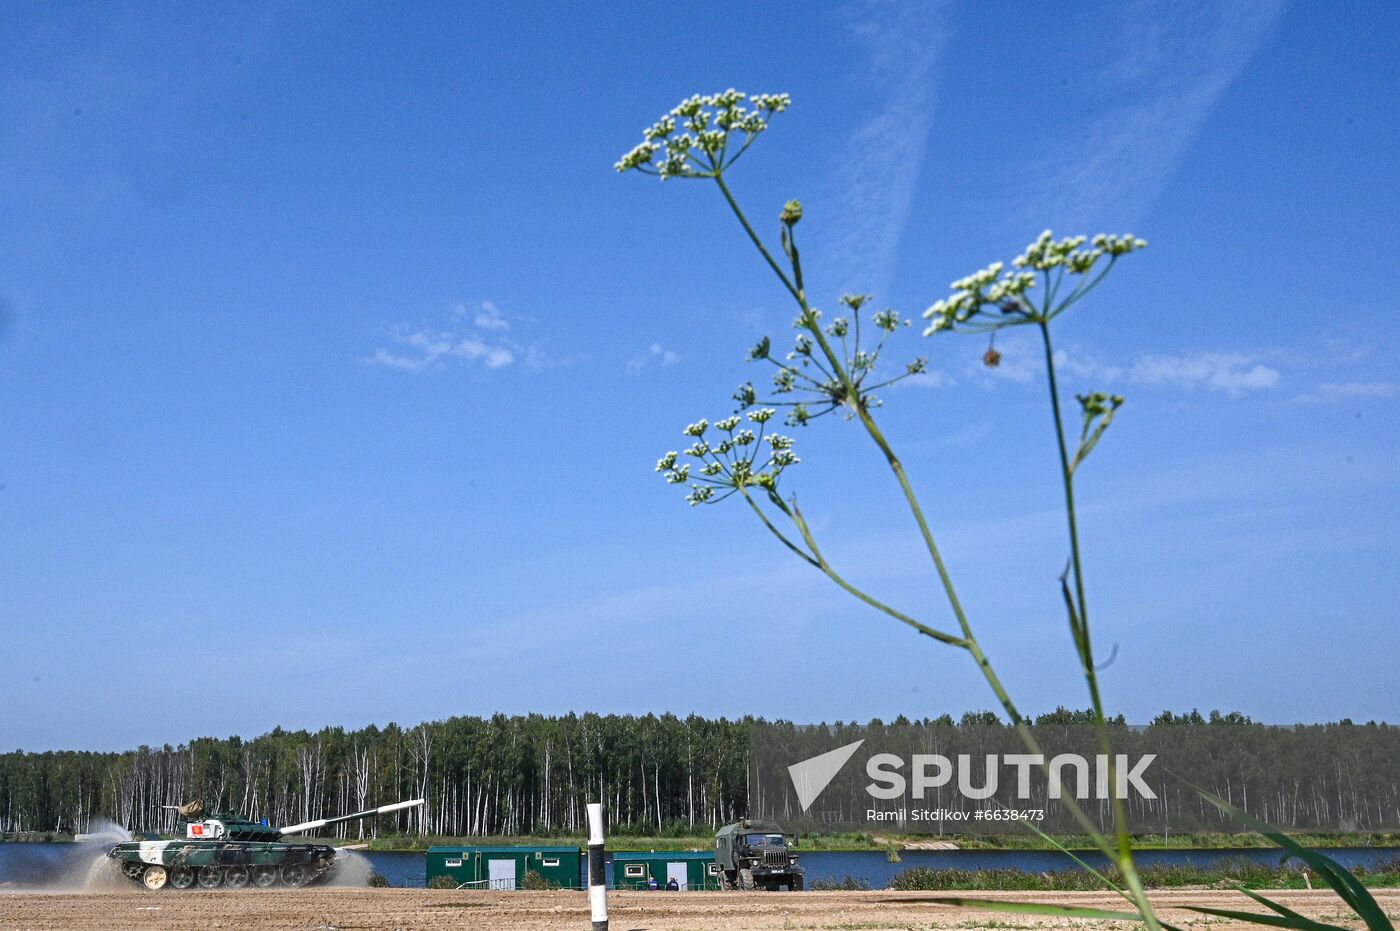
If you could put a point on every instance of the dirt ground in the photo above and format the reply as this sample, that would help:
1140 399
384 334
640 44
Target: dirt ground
415 909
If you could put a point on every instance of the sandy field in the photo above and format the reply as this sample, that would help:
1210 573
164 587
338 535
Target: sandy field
415 909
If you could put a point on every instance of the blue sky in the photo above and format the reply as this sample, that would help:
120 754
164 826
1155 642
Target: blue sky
336 358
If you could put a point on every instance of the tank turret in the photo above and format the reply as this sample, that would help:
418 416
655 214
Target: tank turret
227 849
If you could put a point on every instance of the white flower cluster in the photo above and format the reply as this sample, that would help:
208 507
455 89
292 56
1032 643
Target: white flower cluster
1118 245
732 462
693 140
888 320
832 362
971 293
1045 253
1006 289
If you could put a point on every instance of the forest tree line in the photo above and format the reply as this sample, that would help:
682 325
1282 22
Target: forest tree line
493 776
1322 778
497 776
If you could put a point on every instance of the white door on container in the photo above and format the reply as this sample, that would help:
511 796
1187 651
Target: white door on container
677 872
501 873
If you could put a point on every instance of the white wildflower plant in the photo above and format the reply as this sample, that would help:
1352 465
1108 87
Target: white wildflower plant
833 365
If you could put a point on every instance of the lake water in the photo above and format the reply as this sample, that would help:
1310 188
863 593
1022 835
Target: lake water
37 864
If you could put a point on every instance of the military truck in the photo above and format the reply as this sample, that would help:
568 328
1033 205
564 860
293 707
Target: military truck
756 855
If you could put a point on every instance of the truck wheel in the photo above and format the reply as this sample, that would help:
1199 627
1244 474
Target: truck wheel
725 883
154 877
746 879
796 884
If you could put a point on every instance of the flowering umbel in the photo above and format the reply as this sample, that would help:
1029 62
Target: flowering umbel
703 134
736 459
996 297
831 365
815 379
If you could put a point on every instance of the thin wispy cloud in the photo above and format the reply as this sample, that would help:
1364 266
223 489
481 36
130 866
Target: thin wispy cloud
1175 62
1337 391
475 336
1232 373
877 165
486 316
656 354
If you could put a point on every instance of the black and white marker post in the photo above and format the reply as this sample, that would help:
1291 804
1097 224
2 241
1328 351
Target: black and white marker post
597 879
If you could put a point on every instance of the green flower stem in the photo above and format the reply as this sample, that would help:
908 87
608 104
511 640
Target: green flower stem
744 221
796 516
1079 622
969 641
1086 652
898 469
806 557
1085 288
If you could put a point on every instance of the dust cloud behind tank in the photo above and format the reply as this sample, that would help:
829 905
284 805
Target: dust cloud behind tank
226 850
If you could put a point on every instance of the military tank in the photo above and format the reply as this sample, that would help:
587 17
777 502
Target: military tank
227 850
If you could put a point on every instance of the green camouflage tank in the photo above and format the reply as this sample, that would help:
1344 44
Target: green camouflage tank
228 850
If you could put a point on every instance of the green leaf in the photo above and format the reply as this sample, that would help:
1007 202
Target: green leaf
1071 854
1084 865
1293 920
1270 904
1076 626
1027 908
1333 873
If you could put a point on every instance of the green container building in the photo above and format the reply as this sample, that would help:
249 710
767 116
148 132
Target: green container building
692 869
506 867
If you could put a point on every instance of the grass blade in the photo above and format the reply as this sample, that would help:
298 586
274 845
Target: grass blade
1268 903
1070 853
1333 873
1296 921
1028 908
1053 842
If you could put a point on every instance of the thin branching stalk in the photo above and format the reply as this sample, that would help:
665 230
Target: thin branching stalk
1079 622
968 641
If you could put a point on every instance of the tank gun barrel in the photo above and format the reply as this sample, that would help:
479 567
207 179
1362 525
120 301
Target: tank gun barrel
322 822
